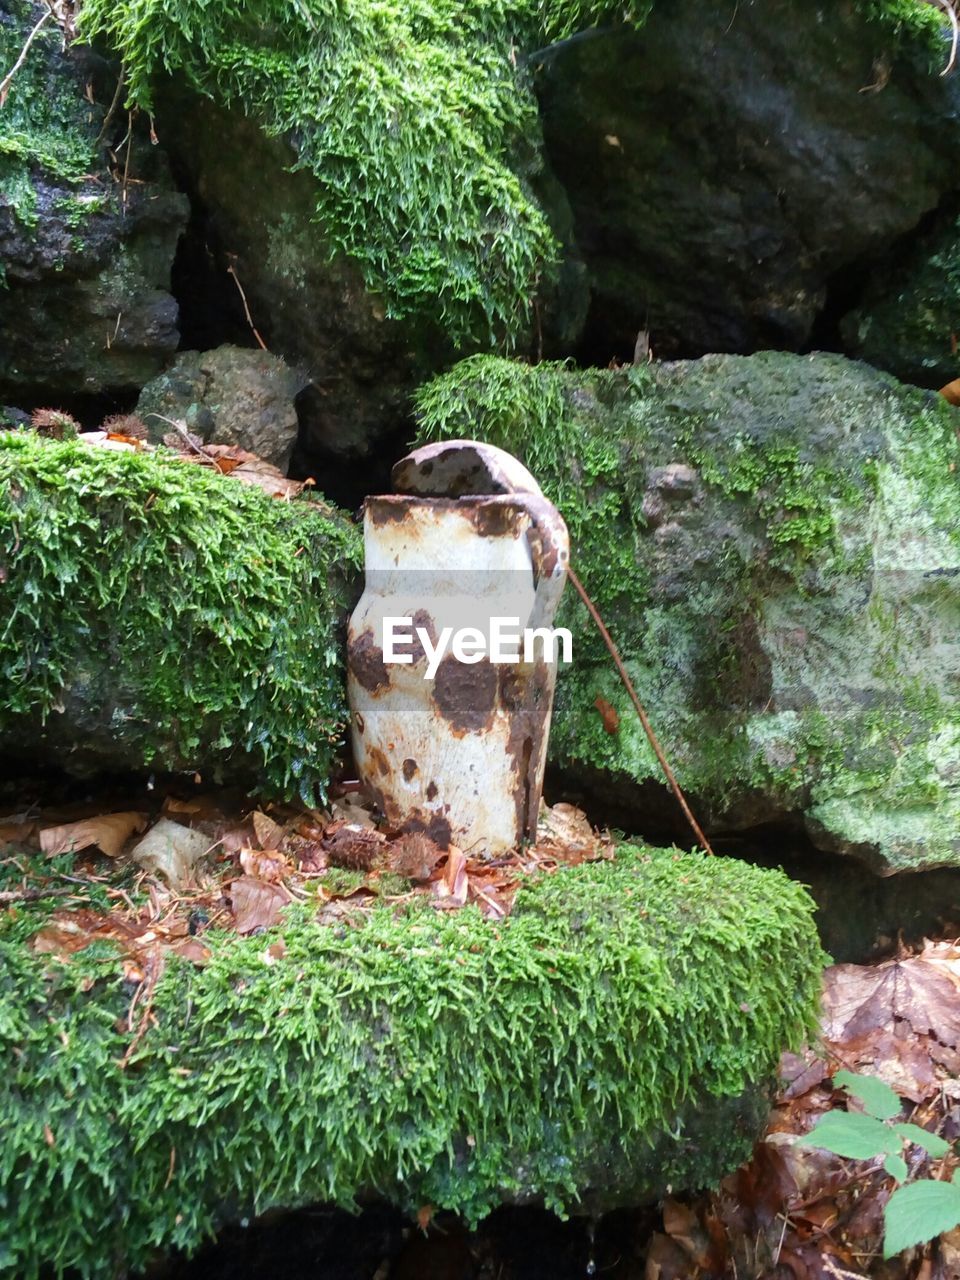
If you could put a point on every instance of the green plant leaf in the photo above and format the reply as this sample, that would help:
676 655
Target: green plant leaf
878 1098
933 1145
918 1212
857 1137
896 1166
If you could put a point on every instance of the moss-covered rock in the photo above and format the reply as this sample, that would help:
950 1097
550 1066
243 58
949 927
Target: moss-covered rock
909 320
157 614
613 1036
85 258
775 543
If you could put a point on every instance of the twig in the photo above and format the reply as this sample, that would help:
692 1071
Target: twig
114 103
126 169
33 895
188 439
644 720
5 82
231 270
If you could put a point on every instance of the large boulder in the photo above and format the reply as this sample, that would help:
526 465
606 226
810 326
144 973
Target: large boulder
86 248
726 162
230 395
774 541
612 1039
908 321
156 614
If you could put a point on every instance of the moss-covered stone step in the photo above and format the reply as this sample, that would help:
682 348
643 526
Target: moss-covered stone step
155 613
614 1035
774 541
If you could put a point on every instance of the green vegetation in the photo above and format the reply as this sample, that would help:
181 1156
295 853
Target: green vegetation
416 117
601 1037
183 612
918 1210
44 123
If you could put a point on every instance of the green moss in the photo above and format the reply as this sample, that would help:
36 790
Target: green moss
203 612
416 117
819 517
431 1057
45 122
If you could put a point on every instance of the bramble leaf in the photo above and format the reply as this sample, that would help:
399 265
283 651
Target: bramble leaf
854 1136
896 1166
933 1145
918 1212
877 1096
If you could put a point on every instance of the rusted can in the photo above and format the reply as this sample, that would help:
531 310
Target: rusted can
449 735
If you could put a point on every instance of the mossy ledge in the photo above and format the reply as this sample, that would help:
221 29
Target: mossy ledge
615 1034
417 118
158 614
773 540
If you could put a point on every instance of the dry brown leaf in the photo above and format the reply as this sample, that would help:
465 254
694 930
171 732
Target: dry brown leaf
109 833
858 1000
16 832
256 905
455 884
269 833
608 714
951 392
265 864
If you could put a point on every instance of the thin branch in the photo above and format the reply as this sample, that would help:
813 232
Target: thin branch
5 82
231 270
114 103
644 720
187 437
33 895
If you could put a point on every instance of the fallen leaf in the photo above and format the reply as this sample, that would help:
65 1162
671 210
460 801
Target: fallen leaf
269 833
256 905
951 392
109 833
858 1000
455 884
170 850
608 714
265 864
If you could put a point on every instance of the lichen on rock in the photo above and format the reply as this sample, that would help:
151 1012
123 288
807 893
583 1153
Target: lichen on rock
613 1036
157 614
774 541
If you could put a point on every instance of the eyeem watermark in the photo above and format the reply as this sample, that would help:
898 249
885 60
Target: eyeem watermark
503 642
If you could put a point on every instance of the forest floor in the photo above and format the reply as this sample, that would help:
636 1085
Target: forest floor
154 868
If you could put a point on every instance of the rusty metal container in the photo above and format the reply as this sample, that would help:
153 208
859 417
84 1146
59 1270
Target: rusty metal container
455 746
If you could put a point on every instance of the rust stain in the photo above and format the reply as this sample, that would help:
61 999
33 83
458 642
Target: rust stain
365 661
525 695
380 760
409 769
432 791
465 693
434 825
495 519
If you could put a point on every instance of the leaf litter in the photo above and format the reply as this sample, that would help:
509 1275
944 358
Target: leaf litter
791 1213
801 1213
